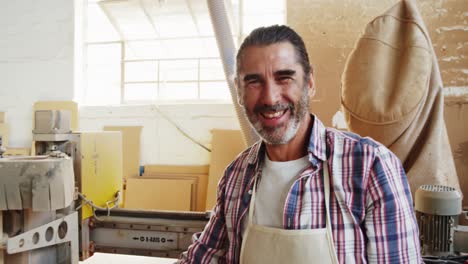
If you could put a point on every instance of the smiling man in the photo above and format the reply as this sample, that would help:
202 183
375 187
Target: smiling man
303 193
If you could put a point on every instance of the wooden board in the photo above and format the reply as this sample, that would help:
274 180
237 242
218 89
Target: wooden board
158 194
200 181
130 147
225 146
199 173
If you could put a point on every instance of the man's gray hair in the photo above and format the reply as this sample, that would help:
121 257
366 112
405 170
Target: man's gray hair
265 36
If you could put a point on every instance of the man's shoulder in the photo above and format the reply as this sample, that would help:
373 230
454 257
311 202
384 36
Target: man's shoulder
245 157
352 139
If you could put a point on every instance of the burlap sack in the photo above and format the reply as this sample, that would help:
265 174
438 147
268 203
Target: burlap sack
392 92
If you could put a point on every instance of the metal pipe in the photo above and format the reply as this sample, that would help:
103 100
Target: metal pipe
227 51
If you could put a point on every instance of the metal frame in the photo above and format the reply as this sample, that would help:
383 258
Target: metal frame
145 233
59 231
158 81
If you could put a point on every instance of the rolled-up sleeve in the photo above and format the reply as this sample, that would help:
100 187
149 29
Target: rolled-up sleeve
210 245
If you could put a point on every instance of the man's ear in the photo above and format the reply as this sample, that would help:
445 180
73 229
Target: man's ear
311 85
240 98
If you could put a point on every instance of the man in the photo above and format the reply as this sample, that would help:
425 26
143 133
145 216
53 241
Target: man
304 193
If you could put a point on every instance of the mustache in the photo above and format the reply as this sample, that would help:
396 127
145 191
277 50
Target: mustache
273 108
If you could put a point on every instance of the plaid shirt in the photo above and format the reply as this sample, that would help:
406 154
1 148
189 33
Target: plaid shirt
371 206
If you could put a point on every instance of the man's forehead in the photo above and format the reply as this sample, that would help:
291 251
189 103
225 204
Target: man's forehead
279 55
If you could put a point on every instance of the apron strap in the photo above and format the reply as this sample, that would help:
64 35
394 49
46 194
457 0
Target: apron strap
252 199
326 187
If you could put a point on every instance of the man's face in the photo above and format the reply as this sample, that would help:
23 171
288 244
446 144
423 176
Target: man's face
273 92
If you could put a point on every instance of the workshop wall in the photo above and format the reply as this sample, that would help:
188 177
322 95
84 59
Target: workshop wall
36 60
331 28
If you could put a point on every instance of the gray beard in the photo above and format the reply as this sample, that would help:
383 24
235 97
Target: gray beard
273 136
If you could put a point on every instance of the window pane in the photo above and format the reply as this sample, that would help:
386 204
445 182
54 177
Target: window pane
98 26
141 71
214 91
210 48
130 18
140 92
103 54
211 70
182 48
176 25
103 74
179 70
178 91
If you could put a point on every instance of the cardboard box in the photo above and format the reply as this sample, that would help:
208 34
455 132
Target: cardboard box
130 148
225 146
158 194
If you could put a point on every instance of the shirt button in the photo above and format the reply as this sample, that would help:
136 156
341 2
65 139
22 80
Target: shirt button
250 192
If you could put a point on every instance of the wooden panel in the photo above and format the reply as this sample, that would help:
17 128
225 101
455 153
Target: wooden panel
130 147
200 182
158 194
226 145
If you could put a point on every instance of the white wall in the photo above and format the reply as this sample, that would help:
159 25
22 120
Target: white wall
36 59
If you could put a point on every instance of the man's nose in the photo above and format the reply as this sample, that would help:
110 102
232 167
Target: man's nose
271 93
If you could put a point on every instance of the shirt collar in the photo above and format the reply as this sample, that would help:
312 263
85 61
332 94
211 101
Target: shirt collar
316 148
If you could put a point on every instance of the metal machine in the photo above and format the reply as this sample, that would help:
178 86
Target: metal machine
59 206
438 213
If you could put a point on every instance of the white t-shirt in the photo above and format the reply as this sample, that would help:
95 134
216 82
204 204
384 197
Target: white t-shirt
276 180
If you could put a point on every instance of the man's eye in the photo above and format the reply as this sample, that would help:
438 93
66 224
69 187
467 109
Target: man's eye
253 82
284 78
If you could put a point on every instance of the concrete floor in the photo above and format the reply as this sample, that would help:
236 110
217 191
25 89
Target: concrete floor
104 258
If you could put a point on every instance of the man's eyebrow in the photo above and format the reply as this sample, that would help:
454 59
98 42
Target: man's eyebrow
249 77
285 72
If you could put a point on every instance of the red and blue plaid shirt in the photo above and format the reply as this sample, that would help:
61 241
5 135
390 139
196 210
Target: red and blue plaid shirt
370 205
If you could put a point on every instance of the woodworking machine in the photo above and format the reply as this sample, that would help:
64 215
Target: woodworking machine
60 205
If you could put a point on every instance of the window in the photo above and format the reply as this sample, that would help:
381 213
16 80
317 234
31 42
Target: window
145 51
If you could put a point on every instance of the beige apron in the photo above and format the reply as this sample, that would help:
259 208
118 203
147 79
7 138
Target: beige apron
262 244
